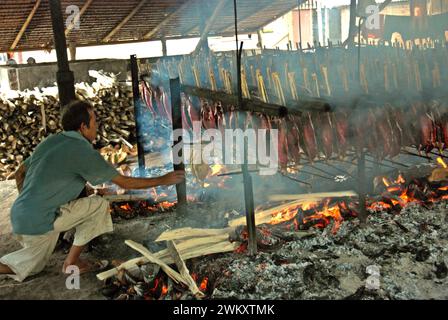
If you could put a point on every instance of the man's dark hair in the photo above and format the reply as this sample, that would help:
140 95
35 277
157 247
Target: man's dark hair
74 114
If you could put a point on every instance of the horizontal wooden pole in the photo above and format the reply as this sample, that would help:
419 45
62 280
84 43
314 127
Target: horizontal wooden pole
295 108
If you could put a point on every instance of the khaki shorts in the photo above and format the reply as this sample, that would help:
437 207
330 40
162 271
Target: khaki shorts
90 218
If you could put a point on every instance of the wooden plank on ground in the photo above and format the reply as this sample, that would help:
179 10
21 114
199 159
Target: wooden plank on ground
313 196
189 249
185 233
265 216
151 258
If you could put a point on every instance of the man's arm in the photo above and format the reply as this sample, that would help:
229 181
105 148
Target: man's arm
171 178
19 175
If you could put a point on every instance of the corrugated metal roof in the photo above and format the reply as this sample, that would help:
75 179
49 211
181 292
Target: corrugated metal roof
153 20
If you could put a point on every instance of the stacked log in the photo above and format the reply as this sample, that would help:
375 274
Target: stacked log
27 117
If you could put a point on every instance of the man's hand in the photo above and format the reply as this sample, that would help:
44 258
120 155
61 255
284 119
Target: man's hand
174 177
145 183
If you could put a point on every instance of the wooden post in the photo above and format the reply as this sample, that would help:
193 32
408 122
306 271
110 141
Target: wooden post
72 49
164 48
362 187
137 111
352 28
260 39
176 113
247 179
249 204
64 77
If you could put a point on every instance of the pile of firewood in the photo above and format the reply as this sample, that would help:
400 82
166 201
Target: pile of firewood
27 117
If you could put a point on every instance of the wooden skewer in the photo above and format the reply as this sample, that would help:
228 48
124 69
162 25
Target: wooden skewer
344 79
316 82
364 82
261 87
269 76
386 77
278 88
292 85
245 87
395 75
327 82
418 81
436 76
212 78
305 80
254 77
409 74
196 76
227 81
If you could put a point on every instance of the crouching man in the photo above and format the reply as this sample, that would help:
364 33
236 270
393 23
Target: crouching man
49 184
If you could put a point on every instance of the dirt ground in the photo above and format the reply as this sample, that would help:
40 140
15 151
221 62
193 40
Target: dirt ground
50 283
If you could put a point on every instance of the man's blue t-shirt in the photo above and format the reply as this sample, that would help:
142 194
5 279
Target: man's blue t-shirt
56 173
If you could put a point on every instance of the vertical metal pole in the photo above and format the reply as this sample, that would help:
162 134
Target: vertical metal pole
362 187
137 114
300 22
64 77
164 48
362 158
412 7
249 203
238 57
247 179
352 28
176 113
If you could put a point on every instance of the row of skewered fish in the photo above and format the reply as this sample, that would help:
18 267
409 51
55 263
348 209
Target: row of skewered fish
381 129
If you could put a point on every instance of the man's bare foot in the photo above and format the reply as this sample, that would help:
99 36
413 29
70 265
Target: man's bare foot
4 269
85 266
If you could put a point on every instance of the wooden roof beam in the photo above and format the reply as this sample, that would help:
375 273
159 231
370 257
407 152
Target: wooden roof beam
281 14
81 12
125 20
166 20
25 25
232 24
271 4
211 20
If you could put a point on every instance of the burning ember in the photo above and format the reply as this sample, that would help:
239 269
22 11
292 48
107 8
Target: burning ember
129 210
397 195
217 169
203 286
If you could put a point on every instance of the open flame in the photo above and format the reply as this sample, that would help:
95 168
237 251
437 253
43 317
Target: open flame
164 290
204 283
441 162
398 194
156 285
126 207
325 216
289 213
216 169
322 216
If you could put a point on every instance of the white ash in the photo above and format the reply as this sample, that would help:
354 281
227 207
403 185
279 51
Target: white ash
410 250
